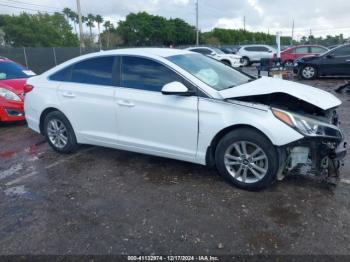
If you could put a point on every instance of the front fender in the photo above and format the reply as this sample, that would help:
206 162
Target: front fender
216 115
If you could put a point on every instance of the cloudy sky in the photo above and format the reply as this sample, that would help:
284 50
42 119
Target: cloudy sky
321 16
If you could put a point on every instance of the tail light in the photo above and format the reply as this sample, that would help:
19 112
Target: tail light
28 88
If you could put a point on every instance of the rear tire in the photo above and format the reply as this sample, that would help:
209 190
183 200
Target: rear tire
247 159
59 133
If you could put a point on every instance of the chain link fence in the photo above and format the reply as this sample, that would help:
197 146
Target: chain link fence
40 59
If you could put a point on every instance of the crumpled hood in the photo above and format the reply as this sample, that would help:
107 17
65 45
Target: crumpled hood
269 85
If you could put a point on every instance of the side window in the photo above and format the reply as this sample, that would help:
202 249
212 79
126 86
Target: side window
203 51
301 50
342 51
317 50
62 75
145 74
206 51
96 71
263 49
250 48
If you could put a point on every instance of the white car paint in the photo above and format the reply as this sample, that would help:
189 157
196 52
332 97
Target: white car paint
235 60
255 56
179 127
268 85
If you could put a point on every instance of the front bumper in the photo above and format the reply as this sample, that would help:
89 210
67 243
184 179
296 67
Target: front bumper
318 153
11 111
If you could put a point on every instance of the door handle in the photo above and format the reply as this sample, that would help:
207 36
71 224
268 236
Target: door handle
125 103
68 94
348 60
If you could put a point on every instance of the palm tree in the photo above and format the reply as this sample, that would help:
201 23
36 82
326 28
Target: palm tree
99 20
107 25
74 17
90 20
67 11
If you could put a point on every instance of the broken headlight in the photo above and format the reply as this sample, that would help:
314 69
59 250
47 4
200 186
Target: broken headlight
306 125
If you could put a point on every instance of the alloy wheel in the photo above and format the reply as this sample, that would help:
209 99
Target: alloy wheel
246 162
308 72
57 133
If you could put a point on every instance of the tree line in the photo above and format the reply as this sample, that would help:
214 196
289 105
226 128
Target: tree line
138 29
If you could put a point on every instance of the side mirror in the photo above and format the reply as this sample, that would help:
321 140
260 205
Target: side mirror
176 88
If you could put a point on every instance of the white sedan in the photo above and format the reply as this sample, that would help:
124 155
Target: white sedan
228 59
186 106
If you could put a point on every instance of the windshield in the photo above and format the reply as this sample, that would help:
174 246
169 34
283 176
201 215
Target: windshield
212 72
12 70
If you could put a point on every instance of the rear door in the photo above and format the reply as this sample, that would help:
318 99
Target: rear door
150 122
87 98
300 52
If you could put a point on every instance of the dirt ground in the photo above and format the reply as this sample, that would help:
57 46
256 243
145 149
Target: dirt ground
105 201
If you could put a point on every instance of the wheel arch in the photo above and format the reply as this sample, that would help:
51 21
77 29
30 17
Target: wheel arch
210 154
43 116
226 61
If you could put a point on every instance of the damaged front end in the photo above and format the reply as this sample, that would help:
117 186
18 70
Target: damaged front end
322 149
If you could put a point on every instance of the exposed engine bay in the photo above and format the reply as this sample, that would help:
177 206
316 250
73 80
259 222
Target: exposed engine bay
318 155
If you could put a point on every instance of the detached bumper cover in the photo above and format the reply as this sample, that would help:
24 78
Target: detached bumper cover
341 151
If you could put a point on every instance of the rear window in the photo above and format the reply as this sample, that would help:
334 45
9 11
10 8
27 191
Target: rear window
95 71
12 70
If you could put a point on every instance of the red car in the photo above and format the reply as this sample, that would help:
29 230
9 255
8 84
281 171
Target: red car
12 84
292 53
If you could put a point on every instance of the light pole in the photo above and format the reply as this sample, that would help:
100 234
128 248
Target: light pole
197 31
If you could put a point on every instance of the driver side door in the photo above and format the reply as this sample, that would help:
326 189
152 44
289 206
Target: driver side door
148 121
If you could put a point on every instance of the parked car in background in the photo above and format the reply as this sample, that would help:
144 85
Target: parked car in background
335 62
289 55
13 78
186 106
253 53
228 59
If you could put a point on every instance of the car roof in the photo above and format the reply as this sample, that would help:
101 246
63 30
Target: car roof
161 52
4 59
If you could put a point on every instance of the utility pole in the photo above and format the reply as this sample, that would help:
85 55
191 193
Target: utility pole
82 45
244 23
291 41
310 36
197 32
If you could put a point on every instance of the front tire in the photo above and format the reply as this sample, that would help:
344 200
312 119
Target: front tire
59 133
308 72
247 159
245 61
